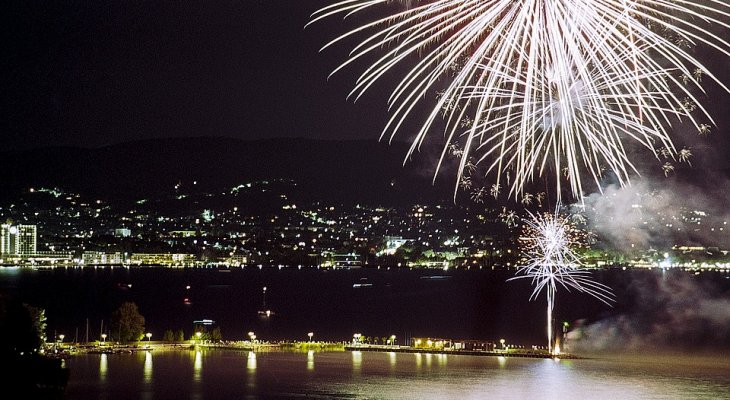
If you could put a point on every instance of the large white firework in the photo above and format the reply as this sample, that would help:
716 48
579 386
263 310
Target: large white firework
551 262
543 85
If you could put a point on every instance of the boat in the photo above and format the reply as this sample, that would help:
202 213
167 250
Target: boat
265 312
362 284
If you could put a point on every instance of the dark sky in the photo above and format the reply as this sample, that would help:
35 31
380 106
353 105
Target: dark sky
91 73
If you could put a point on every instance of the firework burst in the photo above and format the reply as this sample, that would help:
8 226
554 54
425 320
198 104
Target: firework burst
550 262
544 85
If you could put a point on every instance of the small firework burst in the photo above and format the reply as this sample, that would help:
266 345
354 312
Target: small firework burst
550 261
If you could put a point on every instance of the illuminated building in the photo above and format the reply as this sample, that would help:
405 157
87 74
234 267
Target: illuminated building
102 258
164 259
236 260
392 243
346 260
7 244
182 234
18 239
122 232
26 239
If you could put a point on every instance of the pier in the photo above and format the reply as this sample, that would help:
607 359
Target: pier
483 353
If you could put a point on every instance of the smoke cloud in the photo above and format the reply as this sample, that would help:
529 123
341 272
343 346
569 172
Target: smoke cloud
659 215
671 311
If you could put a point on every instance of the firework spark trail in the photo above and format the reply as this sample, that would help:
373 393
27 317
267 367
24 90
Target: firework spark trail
551 262
580 115
507 65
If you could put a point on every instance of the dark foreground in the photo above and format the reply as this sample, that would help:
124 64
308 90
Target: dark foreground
37 377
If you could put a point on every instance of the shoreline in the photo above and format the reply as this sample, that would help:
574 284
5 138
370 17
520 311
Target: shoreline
303 347
478 353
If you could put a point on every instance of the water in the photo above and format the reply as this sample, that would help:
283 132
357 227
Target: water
655 310
217 374
464 304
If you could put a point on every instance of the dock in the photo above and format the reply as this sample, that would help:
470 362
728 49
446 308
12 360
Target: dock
482 353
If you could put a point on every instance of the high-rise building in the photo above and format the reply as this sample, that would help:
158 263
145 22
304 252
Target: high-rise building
18 239
26 239
7 242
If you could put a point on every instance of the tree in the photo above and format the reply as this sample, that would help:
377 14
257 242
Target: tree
215 334
203 334
180 335
127 323
38 319
22 327
168 336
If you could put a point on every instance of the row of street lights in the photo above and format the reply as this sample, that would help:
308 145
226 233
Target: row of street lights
148 335
357 338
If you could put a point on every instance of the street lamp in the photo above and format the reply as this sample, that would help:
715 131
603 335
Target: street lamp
149 335
502 342
392 340
103 337
310 334
198 334
356 338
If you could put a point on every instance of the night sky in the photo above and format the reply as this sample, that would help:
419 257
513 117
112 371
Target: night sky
93 73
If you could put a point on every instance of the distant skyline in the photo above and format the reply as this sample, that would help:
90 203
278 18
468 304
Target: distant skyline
97 73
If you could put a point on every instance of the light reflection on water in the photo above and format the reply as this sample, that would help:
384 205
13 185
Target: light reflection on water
390 375
356 362
103 365
251 362
147 367
310 360
147 389
251 372
198 366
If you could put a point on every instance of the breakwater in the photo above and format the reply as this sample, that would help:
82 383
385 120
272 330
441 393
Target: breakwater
406 349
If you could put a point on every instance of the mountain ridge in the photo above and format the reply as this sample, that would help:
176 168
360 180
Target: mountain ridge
338 170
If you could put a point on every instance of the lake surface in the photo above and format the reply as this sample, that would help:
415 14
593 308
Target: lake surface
459 304
672 308
217 374
655 311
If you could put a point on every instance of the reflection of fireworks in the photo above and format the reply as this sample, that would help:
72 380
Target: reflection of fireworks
542 83
549 240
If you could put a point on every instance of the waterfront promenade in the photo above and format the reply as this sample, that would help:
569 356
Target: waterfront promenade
302 346
522 353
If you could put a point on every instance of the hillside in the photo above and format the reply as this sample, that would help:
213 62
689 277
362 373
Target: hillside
335 170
